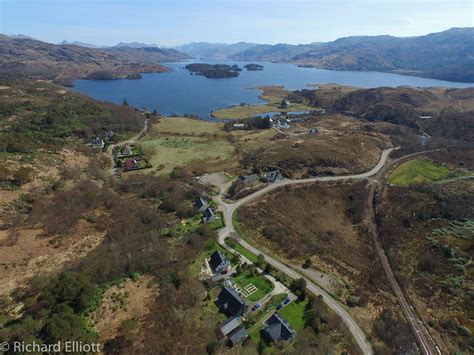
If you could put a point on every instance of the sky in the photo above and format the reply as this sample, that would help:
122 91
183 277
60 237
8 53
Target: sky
173 22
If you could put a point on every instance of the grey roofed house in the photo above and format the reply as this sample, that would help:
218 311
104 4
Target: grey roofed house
277 328
230 325
209 215
237 336
247 179
274 175
218 262
201 204
230 302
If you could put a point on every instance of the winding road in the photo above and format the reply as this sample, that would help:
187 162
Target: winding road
229 231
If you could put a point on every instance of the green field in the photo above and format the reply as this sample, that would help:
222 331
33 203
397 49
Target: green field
293 313
262 284
170 152
418 172
246 111
241 250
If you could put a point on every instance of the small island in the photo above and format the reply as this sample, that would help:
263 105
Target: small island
253 66
214 71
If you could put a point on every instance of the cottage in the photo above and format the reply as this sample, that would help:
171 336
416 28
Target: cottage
313 131
131 164
282 124
237 336
230 325
230 302
239 125
274 175
247 179
218 263
277 328
126 150
209 216
97 142
201 204
109 135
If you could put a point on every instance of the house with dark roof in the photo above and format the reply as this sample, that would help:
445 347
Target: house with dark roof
230 325
273 176
313 131
237 336
218 263
97 142
209 215
230 302
131 164
277 328
125 151
201 204
247 179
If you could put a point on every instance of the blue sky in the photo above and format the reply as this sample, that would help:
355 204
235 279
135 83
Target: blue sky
168 22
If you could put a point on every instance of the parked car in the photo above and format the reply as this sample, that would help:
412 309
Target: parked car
280 306
286 301
255 307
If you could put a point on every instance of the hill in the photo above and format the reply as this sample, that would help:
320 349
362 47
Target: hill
214 50
29 58
447 55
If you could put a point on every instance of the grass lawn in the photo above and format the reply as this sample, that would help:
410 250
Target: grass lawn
262 284
293 313
186 126
418 172
241 250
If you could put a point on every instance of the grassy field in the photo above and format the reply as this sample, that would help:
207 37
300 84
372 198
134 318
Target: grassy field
241 250
418 172
246 111
274 96
293 313
263 285
178 141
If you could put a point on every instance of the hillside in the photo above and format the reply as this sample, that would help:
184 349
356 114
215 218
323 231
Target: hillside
214 50
447 55
29 58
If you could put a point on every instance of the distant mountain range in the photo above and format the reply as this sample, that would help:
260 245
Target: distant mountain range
121 44
220 51
24 57
447 55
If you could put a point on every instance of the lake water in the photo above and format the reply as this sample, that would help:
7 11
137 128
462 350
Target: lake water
178 92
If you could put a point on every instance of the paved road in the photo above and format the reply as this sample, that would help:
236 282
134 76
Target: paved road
229 231
422 336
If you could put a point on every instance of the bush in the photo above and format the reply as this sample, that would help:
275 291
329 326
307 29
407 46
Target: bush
352 301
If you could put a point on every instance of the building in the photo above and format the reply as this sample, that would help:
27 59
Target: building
218 263
125 151
313 131
97 142
209 216
131 164
109 135
237 336
274 175
230 325
230 302
201 204
282 124
239 126
277 328
247 179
